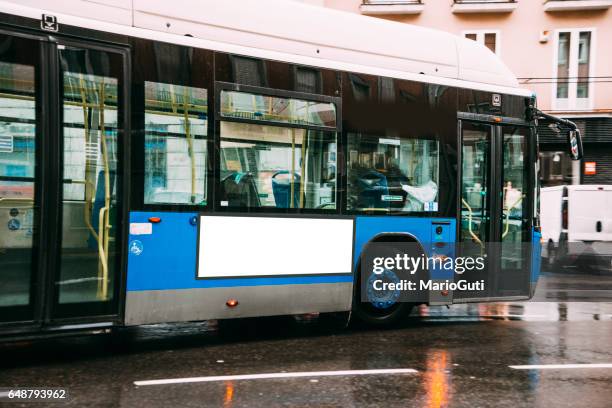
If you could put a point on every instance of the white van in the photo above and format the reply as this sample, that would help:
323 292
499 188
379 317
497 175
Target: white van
576 220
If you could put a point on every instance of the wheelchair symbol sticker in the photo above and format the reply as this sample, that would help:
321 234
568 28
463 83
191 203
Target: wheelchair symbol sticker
136 247
14 224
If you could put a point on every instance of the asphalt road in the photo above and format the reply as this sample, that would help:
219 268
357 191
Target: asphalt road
465 356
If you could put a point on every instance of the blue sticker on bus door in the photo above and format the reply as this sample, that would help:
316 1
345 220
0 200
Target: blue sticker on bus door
136 247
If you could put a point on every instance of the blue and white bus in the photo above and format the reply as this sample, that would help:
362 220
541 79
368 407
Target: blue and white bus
184 161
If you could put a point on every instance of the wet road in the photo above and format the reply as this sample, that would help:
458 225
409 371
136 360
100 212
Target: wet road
452 357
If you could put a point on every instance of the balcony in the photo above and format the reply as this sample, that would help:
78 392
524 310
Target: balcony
484 6
573 5
374 7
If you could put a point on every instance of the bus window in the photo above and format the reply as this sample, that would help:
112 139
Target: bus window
278 167
176 126
240 105
392 174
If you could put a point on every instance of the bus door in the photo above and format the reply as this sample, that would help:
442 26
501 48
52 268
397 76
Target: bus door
494 215
61 142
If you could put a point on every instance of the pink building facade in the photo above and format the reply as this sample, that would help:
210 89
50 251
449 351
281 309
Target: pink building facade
559 49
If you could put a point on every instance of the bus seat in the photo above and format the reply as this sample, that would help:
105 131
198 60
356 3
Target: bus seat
281 188
373 186
238 189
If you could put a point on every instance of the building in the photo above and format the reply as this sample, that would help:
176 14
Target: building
560 49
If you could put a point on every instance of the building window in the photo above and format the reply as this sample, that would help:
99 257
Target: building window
584 51
563 64
573 69
488 38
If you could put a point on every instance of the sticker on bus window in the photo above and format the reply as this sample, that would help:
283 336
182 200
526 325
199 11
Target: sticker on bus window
430 206
395 142
6 144
391 198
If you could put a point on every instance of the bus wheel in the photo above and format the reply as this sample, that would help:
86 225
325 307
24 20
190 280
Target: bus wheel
384 310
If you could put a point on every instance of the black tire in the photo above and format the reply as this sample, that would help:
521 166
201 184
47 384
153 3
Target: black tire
372 315
369 315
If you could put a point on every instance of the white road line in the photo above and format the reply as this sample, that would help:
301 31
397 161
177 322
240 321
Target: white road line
559 366
276 375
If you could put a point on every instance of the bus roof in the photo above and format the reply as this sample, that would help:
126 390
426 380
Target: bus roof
295 32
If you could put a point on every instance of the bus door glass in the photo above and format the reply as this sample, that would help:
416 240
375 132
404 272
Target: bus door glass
514 220
19 175
475 214
90 90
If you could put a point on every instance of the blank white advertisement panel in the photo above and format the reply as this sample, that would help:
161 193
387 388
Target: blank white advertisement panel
234 247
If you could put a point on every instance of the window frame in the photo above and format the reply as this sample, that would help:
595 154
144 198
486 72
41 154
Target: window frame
220 86
480 38
141 53
572 102
397 213
260 91
180 207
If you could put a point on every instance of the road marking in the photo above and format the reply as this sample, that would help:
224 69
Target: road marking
559 366
276 375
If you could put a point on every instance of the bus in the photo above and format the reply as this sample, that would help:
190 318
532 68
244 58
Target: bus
170 162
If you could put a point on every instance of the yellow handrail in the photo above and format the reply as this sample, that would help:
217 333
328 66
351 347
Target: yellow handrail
89 185
103 270
507 222
88 206
292 182
104 222
470 217
373 209
190 151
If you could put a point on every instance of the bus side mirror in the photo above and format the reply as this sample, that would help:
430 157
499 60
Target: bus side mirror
574 140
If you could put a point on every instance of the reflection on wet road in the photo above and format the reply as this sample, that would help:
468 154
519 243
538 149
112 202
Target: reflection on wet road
461 356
